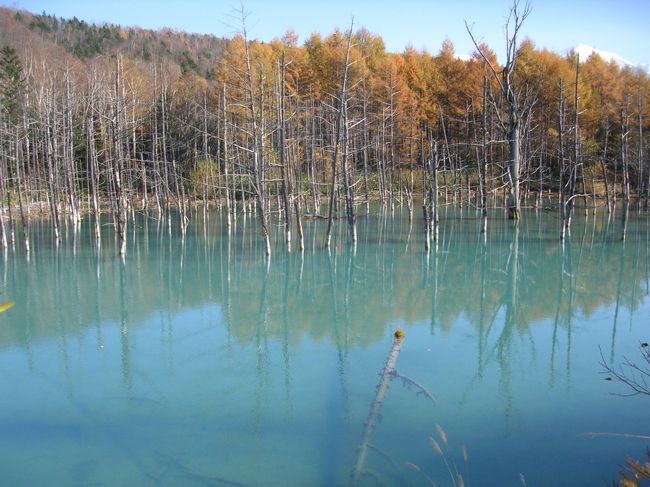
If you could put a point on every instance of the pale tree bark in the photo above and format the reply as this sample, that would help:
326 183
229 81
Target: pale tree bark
225 155
257 149
23 216
483 163
117 169
434 217
641 187
347 183
337 137
626 172
603 160
286 184
513 26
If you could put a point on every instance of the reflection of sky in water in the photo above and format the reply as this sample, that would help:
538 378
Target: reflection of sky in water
195 364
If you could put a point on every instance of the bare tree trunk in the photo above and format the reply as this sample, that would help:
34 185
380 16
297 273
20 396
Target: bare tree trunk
641 189
626 173
286 185
297 209
424 161
434 217
337 138
3 191
514 139
69 163
375 408
225 156
258 150
118 159
575 163
24 220
364 148
50 160
513 25
91 155
604 169
483 163
563 210
315 193
349 191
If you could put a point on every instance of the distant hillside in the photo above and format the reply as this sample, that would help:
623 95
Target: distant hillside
190 52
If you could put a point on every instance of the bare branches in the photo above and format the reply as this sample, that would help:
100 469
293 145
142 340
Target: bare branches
513 25
480 50
635 377
512 29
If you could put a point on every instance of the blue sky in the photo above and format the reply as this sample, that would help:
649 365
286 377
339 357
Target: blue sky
620 26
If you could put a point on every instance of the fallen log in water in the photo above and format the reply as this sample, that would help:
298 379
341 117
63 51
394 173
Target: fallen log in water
387 374
375 407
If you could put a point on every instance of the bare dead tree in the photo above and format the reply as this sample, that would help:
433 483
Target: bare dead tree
118 162
286 184
483 159
635 377
625 130
257 138
516 18
337 137
226 161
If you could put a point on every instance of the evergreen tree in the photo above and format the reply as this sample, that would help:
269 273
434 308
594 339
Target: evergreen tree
11 82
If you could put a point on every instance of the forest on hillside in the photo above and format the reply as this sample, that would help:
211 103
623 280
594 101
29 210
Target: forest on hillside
110 118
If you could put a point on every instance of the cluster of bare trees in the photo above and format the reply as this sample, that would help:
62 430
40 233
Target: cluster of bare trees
275 137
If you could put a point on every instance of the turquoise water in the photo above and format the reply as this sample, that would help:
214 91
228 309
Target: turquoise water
195 363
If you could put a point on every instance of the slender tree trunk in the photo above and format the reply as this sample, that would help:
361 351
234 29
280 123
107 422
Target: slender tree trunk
374 414
626 173
286 185
483 163
603 160
337 139
364 148
24 219
349 191
434 217
563 210
514 142
225 155
120 198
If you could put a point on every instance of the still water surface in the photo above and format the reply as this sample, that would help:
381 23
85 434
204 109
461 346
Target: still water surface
194 363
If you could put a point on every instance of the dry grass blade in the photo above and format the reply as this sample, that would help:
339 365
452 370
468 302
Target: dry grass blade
435 446
465 455
641 471
413 466
593 434
441 433
418 469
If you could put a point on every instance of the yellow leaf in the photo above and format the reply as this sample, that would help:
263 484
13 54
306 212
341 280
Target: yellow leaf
6 306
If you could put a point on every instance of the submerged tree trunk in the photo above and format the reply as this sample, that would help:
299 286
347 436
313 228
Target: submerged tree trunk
375 409
434 217
117 134
23 216
257 149
349 191
603 160
514 141
626 173
483 162
562 188
286 184
337 139
225 156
